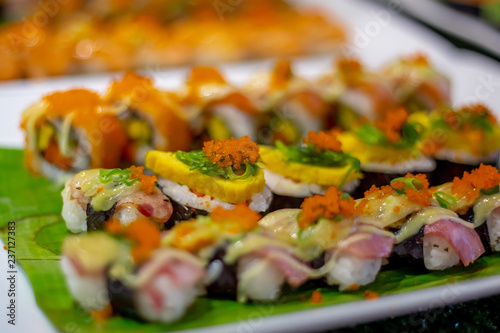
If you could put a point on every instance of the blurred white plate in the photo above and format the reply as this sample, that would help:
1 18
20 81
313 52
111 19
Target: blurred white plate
379 34
470 28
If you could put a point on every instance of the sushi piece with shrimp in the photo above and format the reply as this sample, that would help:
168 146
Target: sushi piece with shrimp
326 227
217 109
387 148
71 131
296 172
93 197
223 174
290 106
151 119
417 84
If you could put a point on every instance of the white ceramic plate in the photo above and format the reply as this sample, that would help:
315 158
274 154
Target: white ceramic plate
467 27
379 34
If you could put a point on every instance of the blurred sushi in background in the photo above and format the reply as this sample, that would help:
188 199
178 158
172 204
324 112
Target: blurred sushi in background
70 131
217 110
94 36
356 92
290 105
151 119
417 85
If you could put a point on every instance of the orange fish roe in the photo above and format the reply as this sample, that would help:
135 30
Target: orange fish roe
418 59
323 140
370 295
316 297
101 315
281 75
246 218
113 226
232 152
353 287
380 192
147 181
349 70
328 206
392 123
421 195
470 185
146 236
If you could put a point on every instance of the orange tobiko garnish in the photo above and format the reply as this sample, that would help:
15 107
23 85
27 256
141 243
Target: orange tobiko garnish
324 140
146 237
148 182
246 218
144 234
470 185
392 124
331 205
232 152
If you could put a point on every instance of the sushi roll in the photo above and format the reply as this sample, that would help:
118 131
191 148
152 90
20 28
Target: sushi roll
71 131
356 93
84 262
446 240
217 109
460 140
327 227
223 173
290 106
152 120
388 148
416 84
93 197
475 197
296 172
434 237
160 289
242 262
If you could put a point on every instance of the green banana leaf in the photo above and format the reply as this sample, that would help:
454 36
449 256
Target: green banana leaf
35 204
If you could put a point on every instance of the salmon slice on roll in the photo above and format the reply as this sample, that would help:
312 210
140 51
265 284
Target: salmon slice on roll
71 131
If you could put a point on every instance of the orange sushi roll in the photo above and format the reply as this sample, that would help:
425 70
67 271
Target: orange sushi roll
71 131
150 117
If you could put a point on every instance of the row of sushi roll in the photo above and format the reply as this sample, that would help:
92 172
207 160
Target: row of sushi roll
147 268
395 121
75 36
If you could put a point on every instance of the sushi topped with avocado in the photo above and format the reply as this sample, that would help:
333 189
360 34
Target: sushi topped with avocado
223 173
296 172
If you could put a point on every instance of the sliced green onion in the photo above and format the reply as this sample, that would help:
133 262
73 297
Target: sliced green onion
445 200
116 176
409 183
344 196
